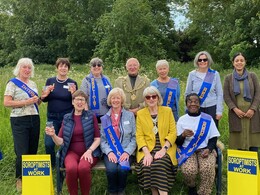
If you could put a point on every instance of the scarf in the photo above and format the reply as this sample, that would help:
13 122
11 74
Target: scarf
115 122
236 87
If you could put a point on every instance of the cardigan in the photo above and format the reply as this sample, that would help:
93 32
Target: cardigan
166 129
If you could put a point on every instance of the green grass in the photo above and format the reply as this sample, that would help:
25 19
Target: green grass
78 72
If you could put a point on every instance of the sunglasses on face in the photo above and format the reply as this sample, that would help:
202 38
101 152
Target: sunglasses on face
148 97
98 65
203 60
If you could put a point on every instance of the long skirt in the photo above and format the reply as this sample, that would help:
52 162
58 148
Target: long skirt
160 175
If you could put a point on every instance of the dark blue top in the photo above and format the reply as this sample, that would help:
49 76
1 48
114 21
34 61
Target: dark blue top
60 99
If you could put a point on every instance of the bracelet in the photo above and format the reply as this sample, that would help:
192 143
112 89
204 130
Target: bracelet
90 149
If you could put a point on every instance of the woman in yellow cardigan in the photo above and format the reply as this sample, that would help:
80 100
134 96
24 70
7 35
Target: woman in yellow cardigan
155 137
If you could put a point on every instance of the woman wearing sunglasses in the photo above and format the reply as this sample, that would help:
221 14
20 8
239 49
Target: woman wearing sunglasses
168 87
207 84
155 137
97 87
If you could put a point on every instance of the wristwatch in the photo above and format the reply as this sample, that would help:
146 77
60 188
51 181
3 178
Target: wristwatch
166 148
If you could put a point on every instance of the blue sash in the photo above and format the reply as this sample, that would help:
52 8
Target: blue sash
206 85
113 141
94 97
170 95
182 153
26 89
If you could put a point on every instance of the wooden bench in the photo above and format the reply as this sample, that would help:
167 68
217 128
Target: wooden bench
101 166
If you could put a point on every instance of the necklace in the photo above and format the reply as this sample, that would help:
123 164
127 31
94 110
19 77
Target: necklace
133 91
155 128
61 81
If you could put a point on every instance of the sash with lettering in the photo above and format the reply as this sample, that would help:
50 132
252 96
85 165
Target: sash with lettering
113 140
206 85
26 89
182 153
94 97
170 95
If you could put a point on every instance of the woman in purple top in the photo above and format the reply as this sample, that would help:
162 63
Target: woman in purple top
57 93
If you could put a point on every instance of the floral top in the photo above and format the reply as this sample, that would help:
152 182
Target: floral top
18 94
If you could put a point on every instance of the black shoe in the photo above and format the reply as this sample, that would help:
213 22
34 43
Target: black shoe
192 191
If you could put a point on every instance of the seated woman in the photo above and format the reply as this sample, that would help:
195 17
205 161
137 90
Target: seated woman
155 138
197 137
80 137
117 141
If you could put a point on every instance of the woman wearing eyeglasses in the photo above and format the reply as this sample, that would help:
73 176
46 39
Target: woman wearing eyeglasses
80 137
168 87
155 137
97 87
207 84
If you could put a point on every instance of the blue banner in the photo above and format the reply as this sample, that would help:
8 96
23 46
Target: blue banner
206 85
26 89
182 153
170 95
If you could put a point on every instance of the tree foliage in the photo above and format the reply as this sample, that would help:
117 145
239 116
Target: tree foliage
118 29
225 27
137 28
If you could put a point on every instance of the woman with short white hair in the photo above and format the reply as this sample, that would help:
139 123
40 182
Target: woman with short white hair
21 95
169 87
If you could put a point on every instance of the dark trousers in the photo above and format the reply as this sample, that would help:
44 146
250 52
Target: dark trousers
116 177
212 112
26 132
56 118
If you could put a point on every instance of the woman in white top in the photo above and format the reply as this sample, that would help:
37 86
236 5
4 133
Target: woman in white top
196 140
21 96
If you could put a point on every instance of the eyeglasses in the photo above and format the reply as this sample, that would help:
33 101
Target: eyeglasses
148 97
203 60
80 99
98 65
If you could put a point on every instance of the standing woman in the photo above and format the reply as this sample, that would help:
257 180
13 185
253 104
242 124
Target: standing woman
97 86
156 149
21 96
117 124
80 138
57 92
168 87
207 84
242 96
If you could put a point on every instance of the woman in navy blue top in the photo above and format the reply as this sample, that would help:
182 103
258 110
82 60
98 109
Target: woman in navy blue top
57 92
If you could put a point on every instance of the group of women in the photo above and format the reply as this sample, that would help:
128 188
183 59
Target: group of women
138 122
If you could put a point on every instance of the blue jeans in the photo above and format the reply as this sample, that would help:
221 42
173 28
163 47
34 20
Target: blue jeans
116 177
56 118
26 132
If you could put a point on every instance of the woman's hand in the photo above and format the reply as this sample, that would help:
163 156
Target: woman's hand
250 113
32 100
205 153
148 159
50 131
239 112
124 157
87 156
159 154
187 133
112 157
218 116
